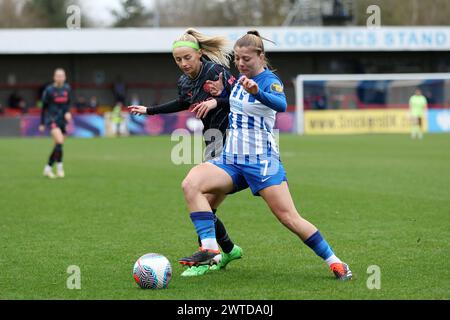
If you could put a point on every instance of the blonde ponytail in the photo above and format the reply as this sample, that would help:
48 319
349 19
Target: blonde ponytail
217 49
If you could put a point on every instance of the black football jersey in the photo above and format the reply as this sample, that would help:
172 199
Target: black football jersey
56 102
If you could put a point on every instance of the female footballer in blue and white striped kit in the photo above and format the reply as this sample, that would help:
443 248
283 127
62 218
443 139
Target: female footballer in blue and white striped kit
251 159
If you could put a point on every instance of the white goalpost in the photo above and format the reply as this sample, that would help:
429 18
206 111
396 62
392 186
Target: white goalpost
366 103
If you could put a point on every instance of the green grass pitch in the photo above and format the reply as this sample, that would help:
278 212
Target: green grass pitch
379 200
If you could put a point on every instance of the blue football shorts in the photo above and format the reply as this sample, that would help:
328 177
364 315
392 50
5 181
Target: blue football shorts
257 175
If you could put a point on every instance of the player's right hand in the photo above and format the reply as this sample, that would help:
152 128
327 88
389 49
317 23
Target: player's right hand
249 85
137 110
41 128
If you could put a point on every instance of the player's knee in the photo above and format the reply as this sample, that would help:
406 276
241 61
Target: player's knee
185 185
59 139
189 187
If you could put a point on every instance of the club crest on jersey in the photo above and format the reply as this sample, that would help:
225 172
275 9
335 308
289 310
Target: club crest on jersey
276 87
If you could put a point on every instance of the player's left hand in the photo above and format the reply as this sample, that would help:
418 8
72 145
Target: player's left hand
249 85
68 116
204 107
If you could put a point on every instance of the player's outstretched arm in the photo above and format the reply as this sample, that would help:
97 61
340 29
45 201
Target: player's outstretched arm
169 107
42 119
43 110
275 100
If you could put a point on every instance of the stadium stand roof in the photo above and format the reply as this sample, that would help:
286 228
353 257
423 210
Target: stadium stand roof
288 39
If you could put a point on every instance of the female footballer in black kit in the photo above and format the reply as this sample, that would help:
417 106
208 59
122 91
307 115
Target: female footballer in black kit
55 115
203 59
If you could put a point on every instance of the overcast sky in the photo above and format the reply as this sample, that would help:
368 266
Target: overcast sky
99 10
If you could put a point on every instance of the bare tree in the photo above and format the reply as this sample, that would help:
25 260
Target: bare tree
47 13
36 13
222 13
10 14
132 14
184 13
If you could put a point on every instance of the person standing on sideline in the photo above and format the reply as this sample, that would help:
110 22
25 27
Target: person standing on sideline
417 107
117 117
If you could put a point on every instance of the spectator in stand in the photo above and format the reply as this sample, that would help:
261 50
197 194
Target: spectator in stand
81 104
93 104
16 101
319 103
13 100
120 90
135 101
430 98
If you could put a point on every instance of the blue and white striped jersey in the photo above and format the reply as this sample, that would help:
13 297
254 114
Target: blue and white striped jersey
252 118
